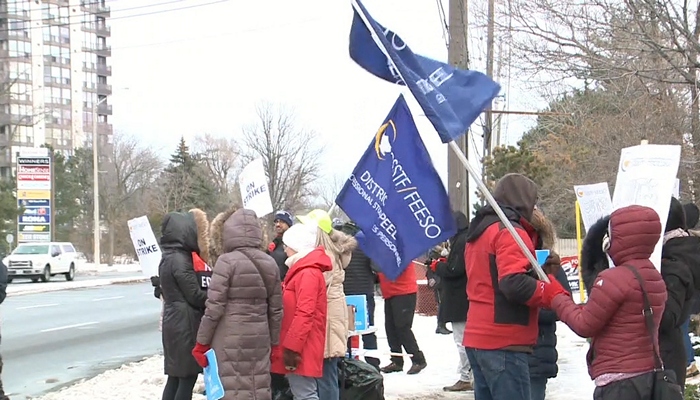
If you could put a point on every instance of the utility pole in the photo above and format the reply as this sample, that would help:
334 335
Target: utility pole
458 56
96 185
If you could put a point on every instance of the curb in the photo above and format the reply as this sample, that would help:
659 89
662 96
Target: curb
86 285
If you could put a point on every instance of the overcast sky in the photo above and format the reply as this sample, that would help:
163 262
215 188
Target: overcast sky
203 69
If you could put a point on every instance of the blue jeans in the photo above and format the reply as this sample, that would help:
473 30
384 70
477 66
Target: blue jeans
538 387
303 387
328 387
499 374
689 352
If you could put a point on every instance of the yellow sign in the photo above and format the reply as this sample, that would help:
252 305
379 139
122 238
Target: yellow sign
34 194
35 228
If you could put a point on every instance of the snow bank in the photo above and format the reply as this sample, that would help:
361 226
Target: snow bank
85 268
15 290
145 380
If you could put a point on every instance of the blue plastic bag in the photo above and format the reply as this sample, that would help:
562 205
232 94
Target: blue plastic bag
212 380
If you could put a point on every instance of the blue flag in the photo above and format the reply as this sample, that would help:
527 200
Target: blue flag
396 197
451 98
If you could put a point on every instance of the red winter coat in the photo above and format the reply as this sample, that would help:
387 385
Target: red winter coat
304 321
612 317
404 284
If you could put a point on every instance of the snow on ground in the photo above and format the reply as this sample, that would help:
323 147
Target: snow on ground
86 268
14 290
145 380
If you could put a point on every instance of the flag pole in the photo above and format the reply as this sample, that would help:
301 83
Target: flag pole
463 159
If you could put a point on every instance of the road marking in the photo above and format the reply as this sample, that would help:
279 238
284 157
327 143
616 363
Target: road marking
108 298
151 292
36 306
60 328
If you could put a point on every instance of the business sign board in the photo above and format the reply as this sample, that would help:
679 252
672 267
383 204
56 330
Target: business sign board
34 186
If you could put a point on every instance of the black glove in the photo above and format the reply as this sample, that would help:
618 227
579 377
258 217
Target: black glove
157 292
155 280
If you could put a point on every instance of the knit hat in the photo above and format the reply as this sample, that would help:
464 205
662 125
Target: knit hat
318 218
285 217
300 238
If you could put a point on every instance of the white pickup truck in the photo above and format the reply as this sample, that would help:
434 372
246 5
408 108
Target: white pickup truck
41 261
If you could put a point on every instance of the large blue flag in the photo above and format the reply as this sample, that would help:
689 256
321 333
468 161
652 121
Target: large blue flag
396 197
451 98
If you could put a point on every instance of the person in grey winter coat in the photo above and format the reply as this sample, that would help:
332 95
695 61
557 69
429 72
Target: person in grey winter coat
183 300
243 313
3 294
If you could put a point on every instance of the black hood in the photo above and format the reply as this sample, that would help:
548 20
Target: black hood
692 215
461 219
682 252
593 258
179 231
676 216
486 216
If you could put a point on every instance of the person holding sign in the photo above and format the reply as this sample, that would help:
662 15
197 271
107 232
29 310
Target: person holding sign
504 297
183 300
244 307
623 312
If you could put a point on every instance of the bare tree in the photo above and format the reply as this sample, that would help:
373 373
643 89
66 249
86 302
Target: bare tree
221 157
132 170
290 156
328 190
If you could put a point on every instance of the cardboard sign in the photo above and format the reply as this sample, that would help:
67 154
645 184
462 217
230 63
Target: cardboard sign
145 244
254 188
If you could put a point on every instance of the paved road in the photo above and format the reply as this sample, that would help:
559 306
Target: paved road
51 339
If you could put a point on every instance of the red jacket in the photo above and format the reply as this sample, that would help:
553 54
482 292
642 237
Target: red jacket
404 284
304 322
612 317
505 314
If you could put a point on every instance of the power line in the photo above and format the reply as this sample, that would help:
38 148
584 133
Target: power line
66 51
30 28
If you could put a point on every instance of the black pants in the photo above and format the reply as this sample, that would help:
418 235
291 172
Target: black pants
637 388
398 321
179 388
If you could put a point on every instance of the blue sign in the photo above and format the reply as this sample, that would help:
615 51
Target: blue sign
34 219
359 302
396 197
451 98
212 380
33 203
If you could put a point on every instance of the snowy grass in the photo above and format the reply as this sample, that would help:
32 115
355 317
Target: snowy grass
144 380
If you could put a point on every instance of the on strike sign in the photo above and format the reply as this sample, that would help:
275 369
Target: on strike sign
145 244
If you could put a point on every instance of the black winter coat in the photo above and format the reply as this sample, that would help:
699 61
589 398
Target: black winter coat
183 298
279 256
3 281
680 268
453 281
359 276
543 360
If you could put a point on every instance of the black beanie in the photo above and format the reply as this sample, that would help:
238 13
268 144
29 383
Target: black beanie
676 216
692 215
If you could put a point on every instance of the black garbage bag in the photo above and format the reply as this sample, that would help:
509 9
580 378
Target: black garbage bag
360 381
280 388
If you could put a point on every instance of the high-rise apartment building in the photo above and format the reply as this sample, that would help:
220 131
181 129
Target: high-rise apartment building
53 70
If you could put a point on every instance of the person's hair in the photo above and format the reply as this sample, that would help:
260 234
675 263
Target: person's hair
329 242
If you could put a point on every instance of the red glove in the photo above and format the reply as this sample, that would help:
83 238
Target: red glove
552 290
271 247
433 265
198 354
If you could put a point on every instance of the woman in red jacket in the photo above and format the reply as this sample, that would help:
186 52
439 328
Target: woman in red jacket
303 334
621 357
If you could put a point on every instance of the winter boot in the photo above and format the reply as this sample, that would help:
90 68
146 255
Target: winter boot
373 362
419 363
442 329
460 386
393 367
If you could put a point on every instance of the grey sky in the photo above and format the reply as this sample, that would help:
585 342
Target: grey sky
203 69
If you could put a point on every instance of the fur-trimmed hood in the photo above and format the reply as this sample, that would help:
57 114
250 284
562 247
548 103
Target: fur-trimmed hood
593 259
344 246
216 234
545 230
200 218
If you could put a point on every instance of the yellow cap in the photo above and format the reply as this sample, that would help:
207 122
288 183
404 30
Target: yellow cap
319 218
